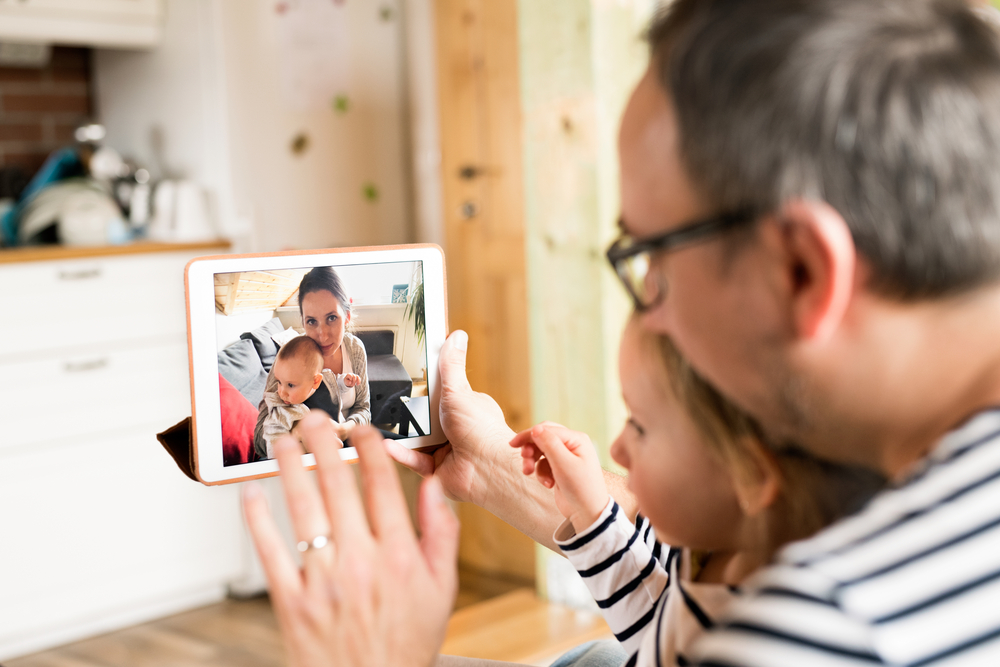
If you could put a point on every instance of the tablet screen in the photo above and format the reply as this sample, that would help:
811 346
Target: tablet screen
349 340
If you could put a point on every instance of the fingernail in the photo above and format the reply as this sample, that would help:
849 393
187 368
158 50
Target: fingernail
461 340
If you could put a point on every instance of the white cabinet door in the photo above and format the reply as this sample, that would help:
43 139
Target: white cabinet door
112 23
101 533
71 304
100 391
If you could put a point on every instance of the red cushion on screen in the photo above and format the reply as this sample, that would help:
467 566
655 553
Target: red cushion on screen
239 418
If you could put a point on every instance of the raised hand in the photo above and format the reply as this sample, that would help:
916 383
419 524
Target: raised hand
369 593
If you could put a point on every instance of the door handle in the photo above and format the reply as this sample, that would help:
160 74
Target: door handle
468 210
470 172
85 274
84 366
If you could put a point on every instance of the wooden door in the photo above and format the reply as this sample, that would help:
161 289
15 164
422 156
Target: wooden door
478 83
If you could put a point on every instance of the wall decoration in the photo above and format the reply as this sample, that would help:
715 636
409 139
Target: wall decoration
399 293
299 143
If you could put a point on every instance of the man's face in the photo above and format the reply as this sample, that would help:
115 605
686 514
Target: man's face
716 307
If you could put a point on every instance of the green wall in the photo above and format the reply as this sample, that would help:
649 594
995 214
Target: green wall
579 60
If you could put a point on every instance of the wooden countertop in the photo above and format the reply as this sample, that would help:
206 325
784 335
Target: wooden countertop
55 252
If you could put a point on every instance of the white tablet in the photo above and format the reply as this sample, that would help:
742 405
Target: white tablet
355 333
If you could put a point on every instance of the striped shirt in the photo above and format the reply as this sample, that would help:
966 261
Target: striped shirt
912 579
643 589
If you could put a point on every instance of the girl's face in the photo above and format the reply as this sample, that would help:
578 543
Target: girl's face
687 494
324 320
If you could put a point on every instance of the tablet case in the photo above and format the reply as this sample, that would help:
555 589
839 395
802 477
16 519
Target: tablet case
177 441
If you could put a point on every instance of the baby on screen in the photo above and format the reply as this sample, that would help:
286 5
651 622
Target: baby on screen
298 368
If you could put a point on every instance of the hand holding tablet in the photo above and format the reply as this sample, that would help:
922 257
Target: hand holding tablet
352 333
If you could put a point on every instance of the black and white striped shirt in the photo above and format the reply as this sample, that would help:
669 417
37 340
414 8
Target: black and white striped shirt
912 579
644 590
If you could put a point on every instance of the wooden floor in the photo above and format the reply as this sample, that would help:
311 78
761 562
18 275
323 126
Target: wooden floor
518 627
514 626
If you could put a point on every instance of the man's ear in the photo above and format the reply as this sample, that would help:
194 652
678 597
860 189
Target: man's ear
822 261
758 489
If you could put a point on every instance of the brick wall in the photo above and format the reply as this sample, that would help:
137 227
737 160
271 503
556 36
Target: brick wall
40 108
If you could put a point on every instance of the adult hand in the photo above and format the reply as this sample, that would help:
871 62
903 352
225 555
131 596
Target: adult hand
374 595
475 427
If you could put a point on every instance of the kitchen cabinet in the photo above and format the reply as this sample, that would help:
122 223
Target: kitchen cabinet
108 23
99 529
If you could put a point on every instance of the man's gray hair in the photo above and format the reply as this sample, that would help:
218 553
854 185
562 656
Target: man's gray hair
888 110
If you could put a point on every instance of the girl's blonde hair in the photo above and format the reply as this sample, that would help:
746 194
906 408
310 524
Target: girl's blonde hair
813 493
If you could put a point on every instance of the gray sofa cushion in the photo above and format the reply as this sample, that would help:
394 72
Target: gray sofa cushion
261 339
240 364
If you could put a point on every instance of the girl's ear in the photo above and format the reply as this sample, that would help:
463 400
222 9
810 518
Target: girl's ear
759 490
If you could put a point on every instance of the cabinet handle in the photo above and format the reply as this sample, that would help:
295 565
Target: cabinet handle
84 366
85 274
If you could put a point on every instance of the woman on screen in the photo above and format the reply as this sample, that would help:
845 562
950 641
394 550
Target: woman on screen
326 314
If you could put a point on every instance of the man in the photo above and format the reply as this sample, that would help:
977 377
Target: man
811 208
846 293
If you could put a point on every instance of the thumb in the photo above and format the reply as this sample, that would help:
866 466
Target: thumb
438 533
451 362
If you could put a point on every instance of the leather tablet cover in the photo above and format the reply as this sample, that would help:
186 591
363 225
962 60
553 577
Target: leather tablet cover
177 441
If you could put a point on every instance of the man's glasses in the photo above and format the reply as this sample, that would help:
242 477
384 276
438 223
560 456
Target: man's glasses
632 258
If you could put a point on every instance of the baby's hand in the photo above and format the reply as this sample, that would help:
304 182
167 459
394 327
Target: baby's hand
566 461
351 380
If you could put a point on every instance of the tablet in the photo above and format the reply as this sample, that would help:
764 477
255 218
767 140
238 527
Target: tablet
353 332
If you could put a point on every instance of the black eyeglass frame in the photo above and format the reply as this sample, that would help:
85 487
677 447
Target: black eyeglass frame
668 241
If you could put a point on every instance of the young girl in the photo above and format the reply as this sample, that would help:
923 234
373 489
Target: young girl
703 480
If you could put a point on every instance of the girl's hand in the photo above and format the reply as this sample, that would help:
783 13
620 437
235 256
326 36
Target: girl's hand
351 380
565 461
